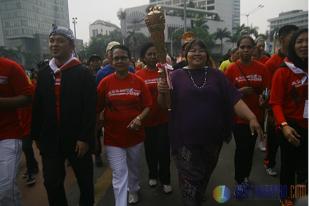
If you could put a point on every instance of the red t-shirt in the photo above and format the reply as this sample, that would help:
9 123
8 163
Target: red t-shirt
255 73
273 63
13 82
25 115
157 115
122 100
288 96
263 59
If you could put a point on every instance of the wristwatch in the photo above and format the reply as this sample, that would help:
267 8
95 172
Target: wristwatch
283 124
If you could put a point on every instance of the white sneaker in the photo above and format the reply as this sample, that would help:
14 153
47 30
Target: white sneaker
133 197
167 189
152 182
262 146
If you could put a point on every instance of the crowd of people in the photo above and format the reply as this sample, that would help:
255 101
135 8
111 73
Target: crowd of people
187 114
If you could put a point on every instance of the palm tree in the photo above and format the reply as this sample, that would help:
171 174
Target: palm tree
200 30
221 34
234 38
254 31
200 22
237 33
243 30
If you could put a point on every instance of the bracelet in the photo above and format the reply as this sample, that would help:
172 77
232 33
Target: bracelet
283 124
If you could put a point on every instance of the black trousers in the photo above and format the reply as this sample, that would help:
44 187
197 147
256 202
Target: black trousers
195 164
98 143
54 174
157 150
31 163
245 144
294 161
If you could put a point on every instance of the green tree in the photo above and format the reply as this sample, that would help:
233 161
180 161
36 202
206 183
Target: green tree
121 14
135 41
176 35
115 36
97 45
242 30
234 38
200 29
246 30
222 34
254 31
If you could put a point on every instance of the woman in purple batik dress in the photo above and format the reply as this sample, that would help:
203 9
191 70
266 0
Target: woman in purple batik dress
201 103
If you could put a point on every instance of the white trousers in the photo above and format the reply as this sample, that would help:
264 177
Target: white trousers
125 165
10 153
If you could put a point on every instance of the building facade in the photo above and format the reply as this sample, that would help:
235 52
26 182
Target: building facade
296 17
25 24
101 27
174 19
228 10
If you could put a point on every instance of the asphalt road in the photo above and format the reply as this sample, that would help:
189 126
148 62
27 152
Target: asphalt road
223 175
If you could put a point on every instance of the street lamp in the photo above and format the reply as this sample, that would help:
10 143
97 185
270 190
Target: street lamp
74 23
185 15
251 12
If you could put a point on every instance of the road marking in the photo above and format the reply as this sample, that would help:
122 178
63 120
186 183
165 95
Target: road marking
102 185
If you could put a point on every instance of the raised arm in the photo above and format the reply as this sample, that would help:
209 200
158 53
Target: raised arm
164 94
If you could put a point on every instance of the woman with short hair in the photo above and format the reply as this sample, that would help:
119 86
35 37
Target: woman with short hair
125 99
157 144
201 103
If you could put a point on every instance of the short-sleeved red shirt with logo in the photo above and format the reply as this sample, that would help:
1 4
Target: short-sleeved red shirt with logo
157 115
13 82
122 101
256 77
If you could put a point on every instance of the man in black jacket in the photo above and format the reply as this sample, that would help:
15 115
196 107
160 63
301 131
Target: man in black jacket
64 119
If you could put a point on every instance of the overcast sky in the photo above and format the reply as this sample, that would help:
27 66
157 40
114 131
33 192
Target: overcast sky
87 11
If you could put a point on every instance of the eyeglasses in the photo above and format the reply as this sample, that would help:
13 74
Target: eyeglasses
120 58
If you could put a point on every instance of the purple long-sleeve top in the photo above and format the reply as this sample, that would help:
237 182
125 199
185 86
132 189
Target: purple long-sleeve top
201 115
